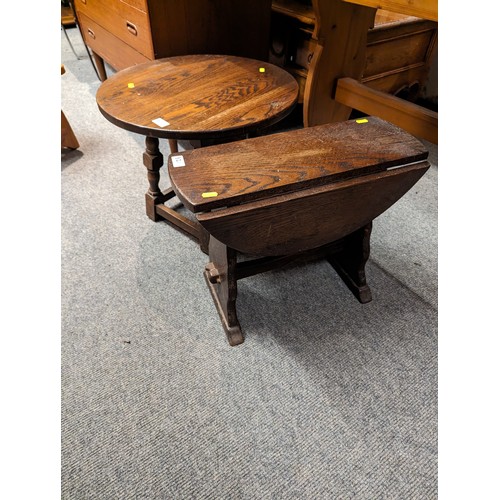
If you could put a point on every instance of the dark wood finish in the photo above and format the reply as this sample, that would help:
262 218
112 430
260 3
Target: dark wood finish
128 32
155 198
348 256
279 163
201 97
230 27
153 161
350 262
220 275
209 98
309 218
305 40
313 191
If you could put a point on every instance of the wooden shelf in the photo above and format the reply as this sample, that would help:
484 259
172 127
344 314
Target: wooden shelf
295 9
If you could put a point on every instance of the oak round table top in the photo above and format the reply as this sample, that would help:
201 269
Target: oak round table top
198 97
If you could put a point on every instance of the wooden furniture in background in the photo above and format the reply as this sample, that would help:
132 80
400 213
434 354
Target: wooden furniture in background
345 77
198 97
68 20
427 9
276 197
67 16
68 137
307 39
128 32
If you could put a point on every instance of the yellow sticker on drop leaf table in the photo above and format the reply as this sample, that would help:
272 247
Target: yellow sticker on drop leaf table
362 120
130 85
210 194
262 70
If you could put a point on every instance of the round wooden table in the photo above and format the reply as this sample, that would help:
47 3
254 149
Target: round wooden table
209 98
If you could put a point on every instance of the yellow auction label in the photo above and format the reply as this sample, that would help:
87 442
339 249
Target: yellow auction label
130 85
362 120
211 194
262 70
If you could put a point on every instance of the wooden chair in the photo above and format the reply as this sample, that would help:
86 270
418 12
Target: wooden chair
68 137
342 79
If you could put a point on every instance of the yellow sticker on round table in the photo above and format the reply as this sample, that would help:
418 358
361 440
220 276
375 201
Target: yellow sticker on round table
362 120
262 70
130 85
211 194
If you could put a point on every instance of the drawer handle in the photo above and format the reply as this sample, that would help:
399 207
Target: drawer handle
131 28
91 33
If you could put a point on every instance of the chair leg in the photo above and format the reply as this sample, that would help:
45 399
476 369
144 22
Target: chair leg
68 137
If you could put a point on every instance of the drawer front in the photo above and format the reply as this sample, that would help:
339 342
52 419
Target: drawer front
138 4
125 22
114 51
398 53
392 83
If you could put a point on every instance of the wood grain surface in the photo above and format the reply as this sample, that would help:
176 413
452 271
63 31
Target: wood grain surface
417 120
199 96
289 161
309 218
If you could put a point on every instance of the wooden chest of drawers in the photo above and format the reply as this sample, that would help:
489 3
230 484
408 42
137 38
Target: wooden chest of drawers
128 32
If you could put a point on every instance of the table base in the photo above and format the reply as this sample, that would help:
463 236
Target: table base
156 209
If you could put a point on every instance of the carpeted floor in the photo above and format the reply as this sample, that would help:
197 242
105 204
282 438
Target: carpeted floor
326 399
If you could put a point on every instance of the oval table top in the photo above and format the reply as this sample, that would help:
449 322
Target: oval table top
244 171
198 96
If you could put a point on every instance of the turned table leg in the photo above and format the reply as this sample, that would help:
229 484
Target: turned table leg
173 145
153 161
351 260
155 210
220 275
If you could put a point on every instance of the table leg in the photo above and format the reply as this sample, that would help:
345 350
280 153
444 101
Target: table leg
220 275
99 66
153 161
351 260
155 210
174 147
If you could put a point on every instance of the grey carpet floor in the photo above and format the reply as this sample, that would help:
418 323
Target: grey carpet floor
326 399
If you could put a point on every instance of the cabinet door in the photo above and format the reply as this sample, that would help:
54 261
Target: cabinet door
230 27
